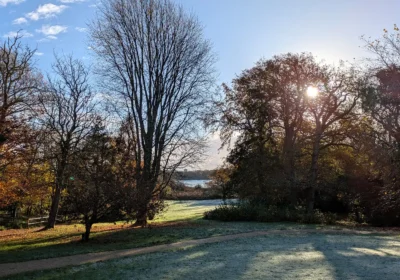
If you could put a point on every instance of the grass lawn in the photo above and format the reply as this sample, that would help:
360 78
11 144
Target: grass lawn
318 255
181 221
301 256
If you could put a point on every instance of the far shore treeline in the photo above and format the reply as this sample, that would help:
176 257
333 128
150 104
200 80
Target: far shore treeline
194 175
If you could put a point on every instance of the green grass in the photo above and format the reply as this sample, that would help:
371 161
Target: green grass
181 221
185 210
301 256
279 256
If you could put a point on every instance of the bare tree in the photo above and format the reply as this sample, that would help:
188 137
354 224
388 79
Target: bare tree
67 113
154 58
18 84
385 50
382 94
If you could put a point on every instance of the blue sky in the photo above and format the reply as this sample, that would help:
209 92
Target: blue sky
54 25
242 31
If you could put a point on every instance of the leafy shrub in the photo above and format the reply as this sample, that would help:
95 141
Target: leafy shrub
330 218
16 224
246 211
317 217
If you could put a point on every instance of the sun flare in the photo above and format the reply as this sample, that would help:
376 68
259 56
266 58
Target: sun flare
312 92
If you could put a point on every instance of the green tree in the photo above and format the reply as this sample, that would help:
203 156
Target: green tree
330 112
94 189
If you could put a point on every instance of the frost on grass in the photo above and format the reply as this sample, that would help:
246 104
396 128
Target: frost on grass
302 256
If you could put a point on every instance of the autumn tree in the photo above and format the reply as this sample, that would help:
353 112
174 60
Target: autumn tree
332 109
381 102
292 75
248 109
220 182
18 83
268 103
157 65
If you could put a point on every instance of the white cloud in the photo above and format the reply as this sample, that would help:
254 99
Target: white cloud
71 1
20 20
51 30
4 3
15 33
46 11
39 53
48 38
81 29
94 5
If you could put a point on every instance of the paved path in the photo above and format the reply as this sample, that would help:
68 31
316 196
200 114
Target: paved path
20 267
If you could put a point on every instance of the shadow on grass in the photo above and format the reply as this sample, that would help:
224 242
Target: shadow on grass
159 233
279 256
202 203
362 257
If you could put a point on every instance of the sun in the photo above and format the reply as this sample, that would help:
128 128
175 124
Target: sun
312 92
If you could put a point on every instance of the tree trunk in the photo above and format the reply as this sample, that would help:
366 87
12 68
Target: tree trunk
313 174
288 163
88 226
55 202
141 217
310 199
145 192
224 196
15 211
54 208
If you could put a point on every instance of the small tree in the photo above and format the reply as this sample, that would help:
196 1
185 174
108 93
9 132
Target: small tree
66 111
220 182
94 190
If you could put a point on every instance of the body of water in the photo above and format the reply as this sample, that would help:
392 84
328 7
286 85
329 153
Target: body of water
193 183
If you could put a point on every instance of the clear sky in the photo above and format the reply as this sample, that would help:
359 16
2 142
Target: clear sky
242 31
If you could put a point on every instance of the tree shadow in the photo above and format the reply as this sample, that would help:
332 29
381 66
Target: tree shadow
286 256
362 257
289 255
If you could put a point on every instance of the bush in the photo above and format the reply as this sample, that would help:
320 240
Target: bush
16 224
232 213
247 211
330 218
317 217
